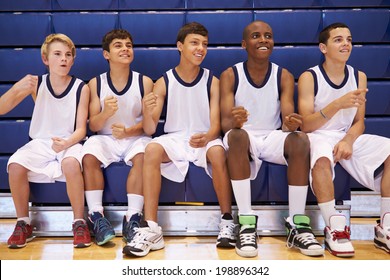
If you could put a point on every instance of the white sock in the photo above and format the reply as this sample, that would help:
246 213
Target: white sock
27 220
94 201
152 225
135 204
327 210
385 207
296 200
242 194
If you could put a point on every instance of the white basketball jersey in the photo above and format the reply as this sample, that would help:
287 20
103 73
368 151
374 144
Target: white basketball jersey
129 99
188 107
55 115
325 92
262 102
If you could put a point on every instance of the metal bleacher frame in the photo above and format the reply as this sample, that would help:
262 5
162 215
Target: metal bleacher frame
54 220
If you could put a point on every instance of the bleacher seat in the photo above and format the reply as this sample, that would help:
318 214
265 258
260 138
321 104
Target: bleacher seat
25 5
153 62
378 98
371 59
378 126
22 111
163 27
151 4
289 30
366 25
220 5
225 27
24 29
89 63
8 142
355 3
296 59
16 63
219 59
4 185
85 5
286 3
85 28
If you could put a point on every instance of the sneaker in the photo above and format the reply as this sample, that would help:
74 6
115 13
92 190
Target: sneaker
382 234
246 245
102 228
144 240
81 236
227 236
129 226
21 235
337 237
301 236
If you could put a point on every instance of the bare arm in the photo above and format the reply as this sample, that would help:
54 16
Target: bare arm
153 103
20 90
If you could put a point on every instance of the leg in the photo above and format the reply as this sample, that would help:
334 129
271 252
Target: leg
20 190
75 189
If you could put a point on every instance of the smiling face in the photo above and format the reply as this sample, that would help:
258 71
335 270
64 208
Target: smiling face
339 44
194 48
258 40
121 51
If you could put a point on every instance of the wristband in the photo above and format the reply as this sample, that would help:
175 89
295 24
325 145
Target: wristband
323 115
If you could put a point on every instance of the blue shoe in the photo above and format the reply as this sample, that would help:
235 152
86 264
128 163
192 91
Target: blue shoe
102 228
129 226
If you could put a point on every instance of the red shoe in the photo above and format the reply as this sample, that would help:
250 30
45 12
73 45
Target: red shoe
81 236
21 235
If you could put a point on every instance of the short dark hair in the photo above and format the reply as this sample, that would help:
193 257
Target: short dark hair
115 34
191 28
325 33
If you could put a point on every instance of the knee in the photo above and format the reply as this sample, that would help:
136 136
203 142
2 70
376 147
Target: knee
321 165
15 169
90 161
71 167
217 157
238 139
298 143
153 153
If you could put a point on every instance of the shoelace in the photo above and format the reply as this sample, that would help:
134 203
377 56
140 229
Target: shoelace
79 228
305 238
226 230
20 228
130 229
247 238
340 234
100 224
140 236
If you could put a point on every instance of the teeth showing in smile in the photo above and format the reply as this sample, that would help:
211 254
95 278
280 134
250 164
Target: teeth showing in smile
262 48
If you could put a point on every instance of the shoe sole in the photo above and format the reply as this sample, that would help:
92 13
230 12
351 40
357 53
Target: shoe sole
312 253
158 246
247 254
19 246
82 245
346 254
108 238
380 245
224 243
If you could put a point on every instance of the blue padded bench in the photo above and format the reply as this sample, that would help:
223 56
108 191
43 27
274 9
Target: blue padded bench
217 4
24 29
4 185
22 111
11 128
225 27
25 5
165 26
287 30
85 28
355 3
85 5
286 3
367 25
378 98
151 5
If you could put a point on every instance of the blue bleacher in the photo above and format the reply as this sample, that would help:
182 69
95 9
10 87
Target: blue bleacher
22 110
219 59
89 63
378 125
85 28
10 128
289 30
4 185
225 27
219 5
355 3
366 25
151 4
84 5
164 31
378 98
24 29
25 5
286 3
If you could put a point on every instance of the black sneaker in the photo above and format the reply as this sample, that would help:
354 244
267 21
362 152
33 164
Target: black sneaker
246 245
129 226
227 236
301 236
102 228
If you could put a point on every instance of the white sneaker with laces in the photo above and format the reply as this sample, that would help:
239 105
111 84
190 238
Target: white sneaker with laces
227 236
382 234
337 237
145 240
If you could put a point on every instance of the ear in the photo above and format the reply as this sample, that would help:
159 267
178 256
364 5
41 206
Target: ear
179 46
106 54
243 44
322 47
45 60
